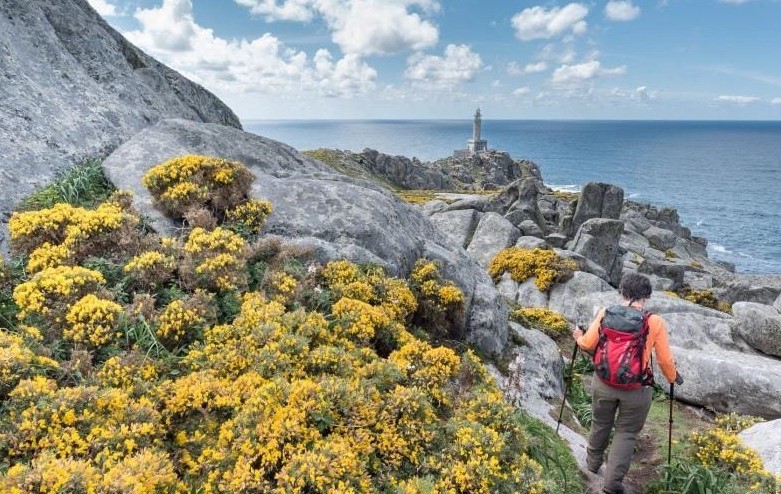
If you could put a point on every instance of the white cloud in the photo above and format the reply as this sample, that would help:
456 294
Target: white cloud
552 53
583 72
459 64
514 69
534 68
775 101
289 10
521 91
104 8
264 64
540 23
644 94
361 27
496 83
739 100
621 10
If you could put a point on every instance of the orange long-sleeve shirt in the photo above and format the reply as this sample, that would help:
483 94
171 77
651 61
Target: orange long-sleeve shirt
657 341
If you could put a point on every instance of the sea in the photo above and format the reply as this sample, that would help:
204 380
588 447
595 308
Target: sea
723 177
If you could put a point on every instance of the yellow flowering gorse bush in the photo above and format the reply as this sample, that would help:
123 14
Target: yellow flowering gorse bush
190 181
544 265
279 396
549 321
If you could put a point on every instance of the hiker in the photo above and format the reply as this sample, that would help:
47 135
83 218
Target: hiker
624 376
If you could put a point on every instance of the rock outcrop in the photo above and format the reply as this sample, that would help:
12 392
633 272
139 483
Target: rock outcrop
487 171
759 325
72 87
765 439
334 215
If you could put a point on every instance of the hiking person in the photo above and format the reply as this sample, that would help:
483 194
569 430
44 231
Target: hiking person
621 338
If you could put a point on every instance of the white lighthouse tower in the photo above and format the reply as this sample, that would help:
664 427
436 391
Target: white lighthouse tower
476 145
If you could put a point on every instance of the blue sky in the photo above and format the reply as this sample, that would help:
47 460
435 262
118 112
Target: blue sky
431 59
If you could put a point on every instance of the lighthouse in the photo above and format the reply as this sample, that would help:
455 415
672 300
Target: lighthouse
476 145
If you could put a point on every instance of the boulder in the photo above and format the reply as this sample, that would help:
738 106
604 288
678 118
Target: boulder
73 87
729 381
525 242
530 228
698 281
777 303
507 287
537 369
528 295
493 234
556 240
578 297
765 439
597 240
759 325
458 226
761 289
432 207
660 238
597 200
335 215
664 269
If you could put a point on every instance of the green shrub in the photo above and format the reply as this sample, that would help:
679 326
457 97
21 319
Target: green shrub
84 185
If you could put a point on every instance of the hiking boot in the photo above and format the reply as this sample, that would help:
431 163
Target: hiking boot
595 471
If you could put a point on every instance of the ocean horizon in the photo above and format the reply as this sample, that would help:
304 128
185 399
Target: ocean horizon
722 176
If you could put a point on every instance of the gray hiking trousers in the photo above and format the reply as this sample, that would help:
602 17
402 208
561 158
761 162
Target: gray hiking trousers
632 407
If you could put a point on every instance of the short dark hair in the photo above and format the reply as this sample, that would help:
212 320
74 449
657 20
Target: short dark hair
635 286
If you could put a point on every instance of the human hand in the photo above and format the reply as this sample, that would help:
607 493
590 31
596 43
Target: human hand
577 333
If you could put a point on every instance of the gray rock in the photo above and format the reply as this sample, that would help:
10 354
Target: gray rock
759 325
493 234
530 228
660 284
338 216
577 298
730 381
597 200
458 226
761 289
528 295
531 243
432 207
507 287
660 238
698 281
597 240
664 269
765 439
537 370
556 240
404 172
777 303
73 87
634 242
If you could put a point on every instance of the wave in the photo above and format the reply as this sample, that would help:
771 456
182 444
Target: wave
565 188
719 248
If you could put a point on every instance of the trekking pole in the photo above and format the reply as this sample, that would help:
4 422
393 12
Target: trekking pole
567 386
670 428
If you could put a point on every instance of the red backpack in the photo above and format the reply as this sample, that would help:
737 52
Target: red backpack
618 358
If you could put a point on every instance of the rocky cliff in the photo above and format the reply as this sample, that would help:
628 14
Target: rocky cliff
488 171
73 87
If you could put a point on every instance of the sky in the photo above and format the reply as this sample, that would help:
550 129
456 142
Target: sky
440 59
